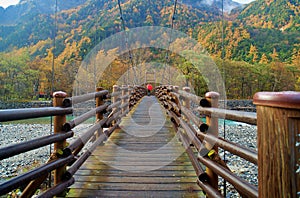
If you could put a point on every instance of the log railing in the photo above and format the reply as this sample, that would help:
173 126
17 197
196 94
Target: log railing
278 127
277 119
66 158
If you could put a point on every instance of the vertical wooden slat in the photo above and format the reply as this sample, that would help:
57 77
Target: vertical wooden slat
212 122
59 121
278 124
124 92
99 102
116 88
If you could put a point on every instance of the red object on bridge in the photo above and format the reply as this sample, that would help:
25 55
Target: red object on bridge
149 87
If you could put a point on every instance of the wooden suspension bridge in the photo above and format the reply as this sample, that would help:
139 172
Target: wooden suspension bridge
156 146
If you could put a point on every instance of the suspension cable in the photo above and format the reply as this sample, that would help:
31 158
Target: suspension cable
53 49
169 43
224 78
174 13
123 26
53 79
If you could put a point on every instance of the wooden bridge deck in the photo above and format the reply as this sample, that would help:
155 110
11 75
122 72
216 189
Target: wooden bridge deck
141 159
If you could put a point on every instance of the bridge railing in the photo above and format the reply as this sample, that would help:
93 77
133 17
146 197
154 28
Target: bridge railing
278 124
66 158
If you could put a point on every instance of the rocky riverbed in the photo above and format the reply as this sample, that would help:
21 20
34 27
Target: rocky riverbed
245 135
14 133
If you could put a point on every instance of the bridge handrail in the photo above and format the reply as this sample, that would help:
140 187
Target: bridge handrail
234 115
118 111
277 120
28 113
246 117
198 144
197 133
15 182
196 99
68 102
115 94
65 154
82 118
188 113
85 137
15 149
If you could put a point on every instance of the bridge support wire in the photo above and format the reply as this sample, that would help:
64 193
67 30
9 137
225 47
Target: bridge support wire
167 59
123 26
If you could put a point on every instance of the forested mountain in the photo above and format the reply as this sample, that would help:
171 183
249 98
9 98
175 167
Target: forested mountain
283 15
104 16
27 9
269 54
208 4
30 8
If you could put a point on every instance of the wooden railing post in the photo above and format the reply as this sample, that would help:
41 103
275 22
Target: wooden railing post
99 116
116 88
58 123
278 138
212 122
176 89
186 101
115 99
124 93
99 102
128 92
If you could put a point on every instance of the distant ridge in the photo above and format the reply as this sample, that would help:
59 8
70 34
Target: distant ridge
26 8
229 5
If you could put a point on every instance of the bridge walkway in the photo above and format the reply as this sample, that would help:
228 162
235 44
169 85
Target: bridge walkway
143 158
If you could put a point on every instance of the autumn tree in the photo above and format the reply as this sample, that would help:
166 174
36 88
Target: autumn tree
264 59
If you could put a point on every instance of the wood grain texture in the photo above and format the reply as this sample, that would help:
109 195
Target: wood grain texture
278 129
142 159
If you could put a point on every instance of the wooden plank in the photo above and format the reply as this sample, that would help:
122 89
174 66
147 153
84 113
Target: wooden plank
139 179
140 168
137 193
116 172
142 158
135 186
139 163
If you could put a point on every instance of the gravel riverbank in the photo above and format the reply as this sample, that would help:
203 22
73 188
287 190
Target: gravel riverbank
245 135
14 133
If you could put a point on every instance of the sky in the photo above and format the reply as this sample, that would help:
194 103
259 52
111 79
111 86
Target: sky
6 3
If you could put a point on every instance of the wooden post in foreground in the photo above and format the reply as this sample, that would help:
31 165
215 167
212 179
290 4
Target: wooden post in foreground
212 122
59 121
278 139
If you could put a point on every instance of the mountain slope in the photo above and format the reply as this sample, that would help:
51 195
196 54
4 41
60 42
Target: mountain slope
91 22
28 8
279 14
228 4
272 55
94 14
